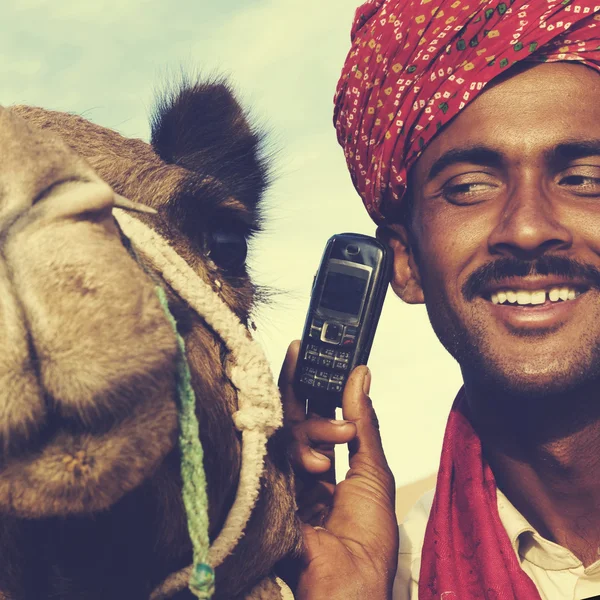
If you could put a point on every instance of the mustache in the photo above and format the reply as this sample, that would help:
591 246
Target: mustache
503 268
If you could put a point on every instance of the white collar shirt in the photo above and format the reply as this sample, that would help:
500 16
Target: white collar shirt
556 571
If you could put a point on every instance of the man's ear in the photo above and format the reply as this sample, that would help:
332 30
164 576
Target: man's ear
406 279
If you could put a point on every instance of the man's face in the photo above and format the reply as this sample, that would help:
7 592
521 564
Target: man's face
506 224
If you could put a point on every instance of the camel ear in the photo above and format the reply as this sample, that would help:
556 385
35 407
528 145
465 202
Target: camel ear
406 279
201 127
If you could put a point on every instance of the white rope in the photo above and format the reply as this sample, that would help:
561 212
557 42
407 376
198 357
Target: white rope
259 411
286 592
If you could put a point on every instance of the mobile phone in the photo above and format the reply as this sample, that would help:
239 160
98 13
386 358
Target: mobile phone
346 300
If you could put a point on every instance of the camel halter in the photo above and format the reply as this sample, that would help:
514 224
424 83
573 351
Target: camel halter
259 411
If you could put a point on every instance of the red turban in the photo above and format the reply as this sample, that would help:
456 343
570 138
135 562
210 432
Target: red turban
414 64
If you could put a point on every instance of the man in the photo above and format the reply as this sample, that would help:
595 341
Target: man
472 133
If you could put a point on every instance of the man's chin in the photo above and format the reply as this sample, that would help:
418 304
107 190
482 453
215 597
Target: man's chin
532 381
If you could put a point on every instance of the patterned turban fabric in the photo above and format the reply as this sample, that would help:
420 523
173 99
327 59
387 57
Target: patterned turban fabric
414 64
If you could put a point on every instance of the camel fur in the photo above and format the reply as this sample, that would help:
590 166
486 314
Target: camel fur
90 486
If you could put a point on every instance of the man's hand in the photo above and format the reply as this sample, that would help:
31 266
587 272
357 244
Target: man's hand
350 529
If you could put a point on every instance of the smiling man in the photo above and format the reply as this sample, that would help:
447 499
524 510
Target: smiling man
472 134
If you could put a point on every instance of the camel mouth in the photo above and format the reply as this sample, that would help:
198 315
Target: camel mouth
76 470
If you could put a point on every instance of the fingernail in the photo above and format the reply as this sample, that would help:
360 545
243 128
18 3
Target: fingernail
339 422
367 381
318 456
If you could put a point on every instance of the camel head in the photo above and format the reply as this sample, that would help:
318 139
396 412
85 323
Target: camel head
90 482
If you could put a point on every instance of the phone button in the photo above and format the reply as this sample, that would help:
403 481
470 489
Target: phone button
309 371
333 333
349 340
321 384
345 356
311 357
340 365
334 387
315 333
307 375
326 358
351 330
307 379
337 378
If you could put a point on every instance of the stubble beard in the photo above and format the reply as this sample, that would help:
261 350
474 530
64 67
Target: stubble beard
521 378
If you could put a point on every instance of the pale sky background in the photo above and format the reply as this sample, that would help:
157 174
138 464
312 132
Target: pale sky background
104 59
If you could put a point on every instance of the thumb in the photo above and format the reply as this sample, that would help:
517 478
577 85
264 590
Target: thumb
366 456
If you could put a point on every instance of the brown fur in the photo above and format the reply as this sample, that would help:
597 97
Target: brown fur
90 491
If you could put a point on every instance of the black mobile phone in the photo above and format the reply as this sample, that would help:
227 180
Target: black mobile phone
347 296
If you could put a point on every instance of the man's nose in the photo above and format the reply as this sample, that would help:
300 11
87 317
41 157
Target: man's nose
530 224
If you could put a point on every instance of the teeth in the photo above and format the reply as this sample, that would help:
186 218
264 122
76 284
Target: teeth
538 297
524 297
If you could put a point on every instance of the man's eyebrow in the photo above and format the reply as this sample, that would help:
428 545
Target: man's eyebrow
479 155
572 150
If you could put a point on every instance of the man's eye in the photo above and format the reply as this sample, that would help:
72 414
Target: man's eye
588 186
468 193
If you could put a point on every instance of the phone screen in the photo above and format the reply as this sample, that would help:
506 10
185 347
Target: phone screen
344 293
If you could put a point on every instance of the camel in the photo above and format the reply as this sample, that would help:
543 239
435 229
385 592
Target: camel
91 504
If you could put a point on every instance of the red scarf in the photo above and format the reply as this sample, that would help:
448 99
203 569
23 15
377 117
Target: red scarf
467 551
414 64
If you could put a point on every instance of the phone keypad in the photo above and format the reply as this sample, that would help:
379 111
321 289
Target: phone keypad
327 369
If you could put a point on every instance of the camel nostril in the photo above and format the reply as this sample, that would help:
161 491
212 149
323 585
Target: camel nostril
78 464
73 197
55 185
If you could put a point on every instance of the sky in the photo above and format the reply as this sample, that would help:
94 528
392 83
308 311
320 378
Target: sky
106 59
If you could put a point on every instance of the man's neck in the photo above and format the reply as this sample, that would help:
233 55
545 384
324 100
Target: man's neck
545 457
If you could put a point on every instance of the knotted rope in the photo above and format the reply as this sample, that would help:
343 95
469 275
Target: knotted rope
259 411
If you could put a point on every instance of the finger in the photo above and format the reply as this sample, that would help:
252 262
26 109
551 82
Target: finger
307 459
293 407
314 440
366 450
323 432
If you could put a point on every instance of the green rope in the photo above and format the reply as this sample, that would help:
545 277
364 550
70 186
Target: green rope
195 499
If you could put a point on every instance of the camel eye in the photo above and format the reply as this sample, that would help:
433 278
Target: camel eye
228 249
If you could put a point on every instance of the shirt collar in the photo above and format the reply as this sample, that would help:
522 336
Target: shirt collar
529 545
